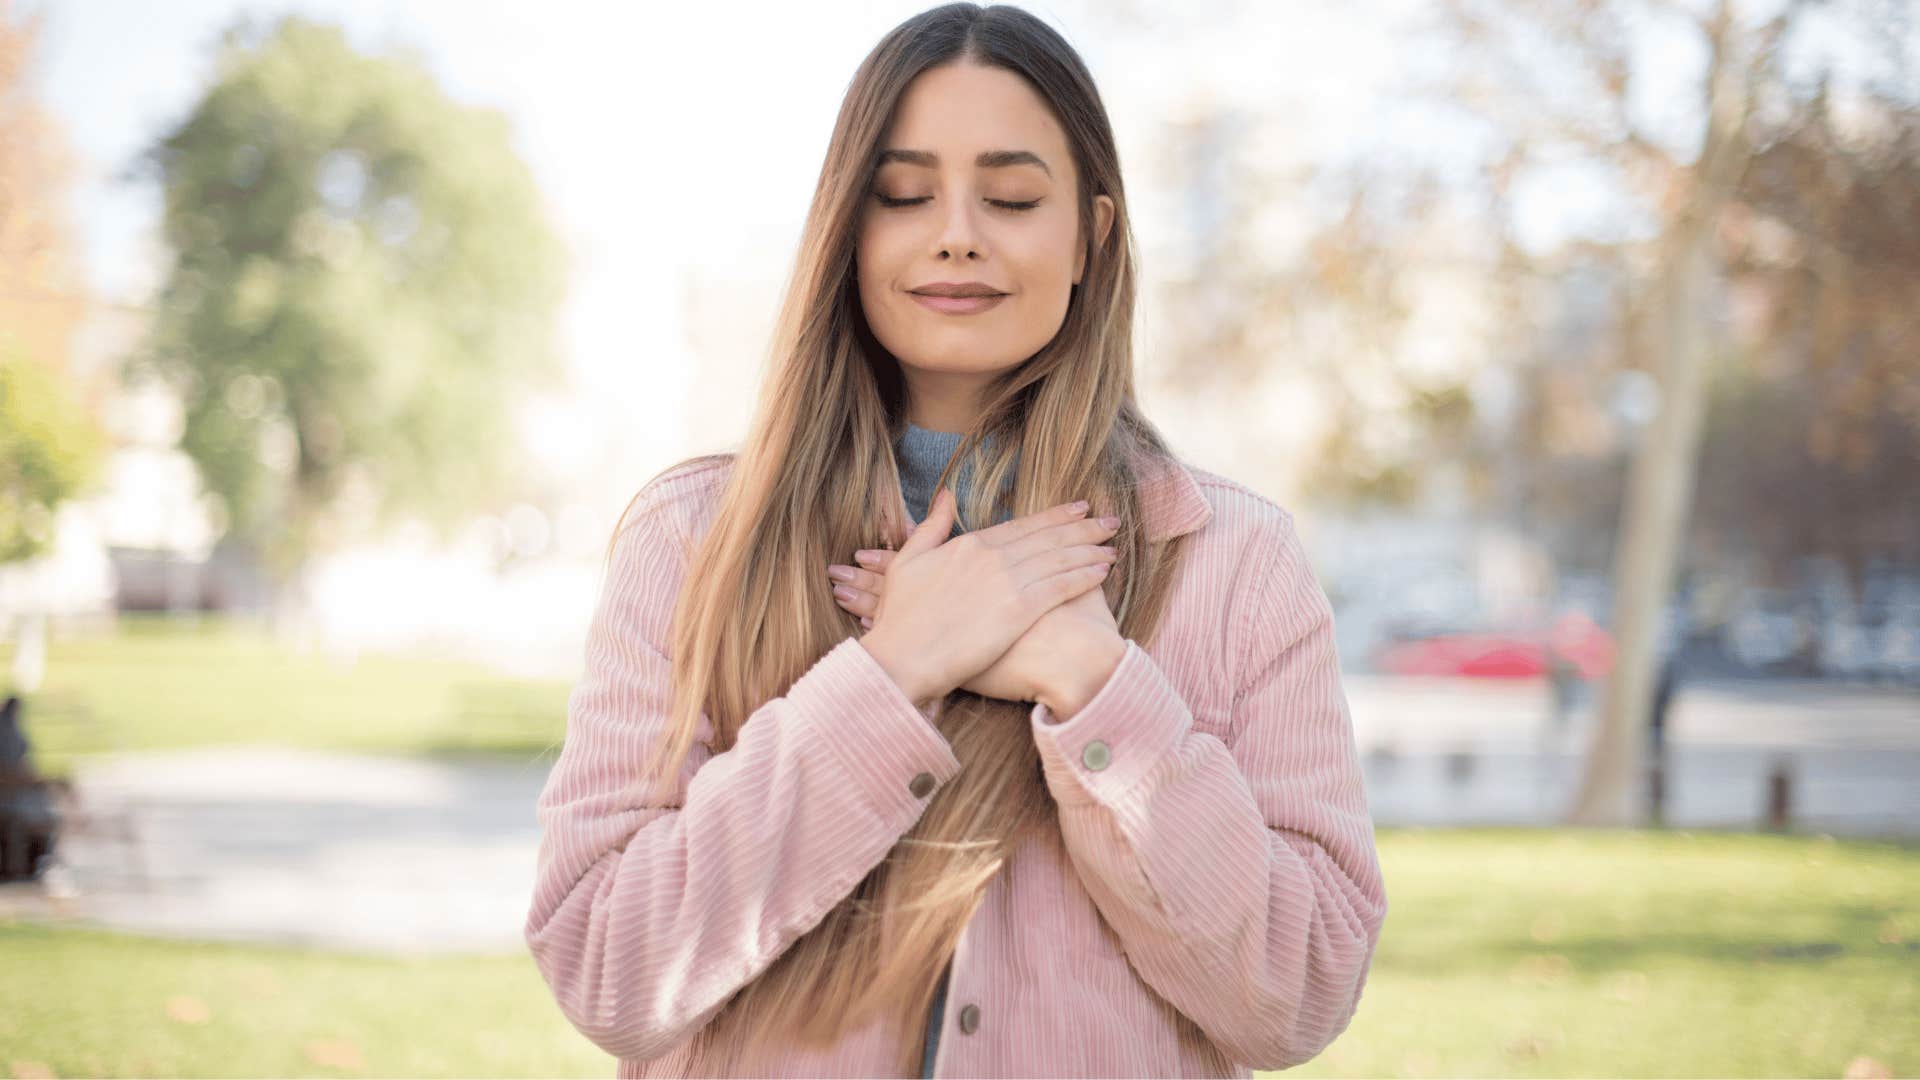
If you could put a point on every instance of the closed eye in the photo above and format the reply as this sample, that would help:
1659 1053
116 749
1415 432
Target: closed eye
1002 203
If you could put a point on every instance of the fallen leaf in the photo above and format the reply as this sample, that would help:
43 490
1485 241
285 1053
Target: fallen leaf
335 1053
187 1009
1548 926
1418 1063
1527 1046
1629 986
259 979
1541 969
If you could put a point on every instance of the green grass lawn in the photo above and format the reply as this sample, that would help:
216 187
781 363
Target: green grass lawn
1506 953
87 1003
160 684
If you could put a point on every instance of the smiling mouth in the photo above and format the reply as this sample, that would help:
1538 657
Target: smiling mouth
958 305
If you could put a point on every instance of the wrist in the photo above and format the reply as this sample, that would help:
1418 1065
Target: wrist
1082 680
916 684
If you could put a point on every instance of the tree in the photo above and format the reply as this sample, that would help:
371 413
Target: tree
50 447
1557 80
363 284
1824 252
1732 182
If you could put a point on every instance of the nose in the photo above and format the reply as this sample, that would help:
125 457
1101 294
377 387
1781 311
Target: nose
960 231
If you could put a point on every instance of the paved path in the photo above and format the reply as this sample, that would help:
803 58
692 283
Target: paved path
262 844
402 854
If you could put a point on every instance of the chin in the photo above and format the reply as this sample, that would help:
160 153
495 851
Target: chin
969 363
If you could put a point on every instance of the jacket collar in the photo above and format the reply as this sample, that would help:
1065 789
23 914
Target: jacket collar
1171 502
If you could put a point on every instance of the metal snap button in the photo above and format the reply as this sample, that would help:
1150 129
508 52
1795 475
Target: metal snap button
921 785
1096 756
969 1018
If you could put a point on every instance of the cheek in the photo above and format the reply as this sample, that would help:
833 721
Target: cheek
1046 253
873 268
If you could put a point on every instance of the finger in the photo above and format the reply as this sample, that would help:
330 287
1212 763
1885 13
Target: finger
858 601
1050 592
1011 530
1054 537
934 531
1059 560
856 577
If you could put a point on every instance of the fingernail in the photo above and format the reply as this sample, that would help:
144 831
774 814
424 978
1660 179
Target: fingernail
866 558
1079 507
843 593
866 622
1110 522
840 573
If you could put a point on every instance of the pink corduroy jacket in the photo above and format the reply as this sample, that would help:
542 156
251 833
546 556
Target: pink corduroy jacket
1210 904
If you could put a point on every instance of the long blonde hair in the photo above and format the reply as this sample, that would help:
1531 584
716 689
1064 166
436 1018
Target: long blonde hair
816 478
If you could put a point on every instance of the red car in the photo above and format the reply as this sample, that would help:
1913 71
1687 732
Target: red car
1495 654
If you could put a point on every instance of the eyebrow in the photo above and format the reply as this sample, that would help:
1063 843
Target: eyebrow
987 159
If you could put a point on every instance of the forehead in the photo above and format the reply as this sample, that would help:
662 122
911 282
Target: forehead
957 110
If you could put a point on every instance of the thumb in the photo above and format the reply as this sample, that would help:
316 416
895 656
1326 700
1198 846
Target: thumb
932 532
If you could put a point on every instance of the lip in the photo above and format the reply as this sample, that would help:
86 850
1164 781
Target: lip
958 305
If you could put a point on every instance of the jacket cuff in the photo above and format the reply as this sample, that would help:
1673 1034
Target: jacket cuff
880 738
1136 719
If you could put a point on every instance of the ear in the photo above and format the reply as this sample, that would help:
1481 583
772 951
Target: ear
1102 224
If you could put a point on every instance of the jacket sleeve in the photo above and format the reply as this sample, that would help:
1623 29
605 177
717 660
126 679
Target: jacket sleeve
1240 875
651 908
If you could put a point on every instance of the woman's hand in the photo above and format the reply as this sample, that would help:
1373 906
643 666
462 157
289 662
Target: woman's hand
952 607
1062 659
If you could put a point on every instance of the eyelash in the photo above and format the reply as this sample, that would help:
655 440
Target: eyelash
1002 203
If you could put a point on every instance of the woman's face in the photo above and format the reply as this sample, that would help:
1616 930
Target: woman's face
975 186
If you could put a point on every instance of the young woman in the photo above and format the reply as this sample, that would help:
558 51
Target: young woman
1064 785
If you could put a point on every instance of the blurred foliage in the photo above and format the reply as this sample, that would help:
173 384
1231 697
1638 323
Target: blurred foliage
1812 431
42 298
1812 436
50 446
1326 277
364 283
1818 408
49 450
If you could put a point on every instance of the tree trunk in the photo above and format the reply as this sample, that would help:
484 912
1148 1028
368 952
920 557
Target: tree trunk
1660 486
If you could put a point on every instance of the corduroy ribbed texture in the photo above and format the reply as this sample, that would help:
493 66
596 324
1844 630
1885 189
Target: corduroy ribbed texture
1210 904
